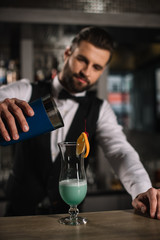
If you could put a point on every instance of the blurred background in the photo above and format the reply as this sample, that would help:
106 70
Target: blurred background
33 36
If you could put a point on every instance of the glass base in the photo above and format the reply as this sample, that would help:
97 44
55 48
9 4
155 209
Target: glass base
73 222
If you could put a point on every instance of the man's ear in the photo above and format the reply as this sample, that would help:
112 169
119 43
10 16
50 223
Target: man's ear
67 53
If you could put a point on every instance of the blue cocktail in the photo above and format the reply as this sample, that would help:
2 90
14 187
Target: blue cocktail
73 191
72 182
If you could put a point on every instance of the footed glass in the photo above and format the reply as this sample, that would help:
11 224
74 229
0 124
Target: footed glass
72 182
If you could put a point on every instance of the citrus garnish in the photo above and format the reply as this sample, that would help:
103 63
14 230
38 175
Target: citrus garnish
83 145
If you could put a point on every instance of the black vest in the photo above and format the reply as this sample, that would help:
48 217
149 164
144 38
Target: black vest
33 166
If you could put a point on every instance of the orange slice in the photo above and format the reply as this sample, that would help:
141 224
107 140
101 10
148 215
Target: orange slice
83 145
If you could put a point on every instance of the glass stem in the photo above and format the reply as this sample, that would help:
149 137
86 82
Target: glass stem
73 211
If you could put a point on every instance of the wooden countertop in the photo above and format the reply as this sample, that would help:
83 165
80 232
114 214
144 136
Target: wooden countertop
121 225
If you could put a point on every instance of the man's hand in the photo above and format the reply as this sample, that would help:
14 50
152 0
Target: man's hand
11 109
148 202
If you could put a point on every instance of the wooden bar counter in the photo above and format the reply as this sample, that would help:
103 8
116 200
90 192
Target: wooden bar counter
121 225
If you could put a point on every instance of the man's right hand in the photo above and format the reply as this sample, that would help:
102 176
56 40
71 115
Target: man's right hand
11 109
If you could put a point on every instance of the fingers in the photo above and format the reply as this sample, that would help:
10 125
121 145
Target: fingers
154 199
11 129
158 204
17 108
152 196
149 200
11 110
139 205
3 131
25 106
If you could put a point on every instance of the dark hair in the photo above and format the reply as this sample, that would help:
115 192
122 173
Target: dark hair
99 37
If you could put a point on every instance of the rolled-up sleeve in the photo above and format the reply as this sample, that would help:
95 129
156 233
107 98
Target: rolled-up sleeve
21 89
121 155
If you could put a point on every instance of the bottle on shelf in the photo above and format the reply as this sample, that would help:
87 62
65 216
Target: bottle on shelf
12 72
2 72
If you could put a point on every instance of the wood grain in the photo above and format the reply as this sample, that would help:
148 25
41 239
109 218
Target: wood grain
101 225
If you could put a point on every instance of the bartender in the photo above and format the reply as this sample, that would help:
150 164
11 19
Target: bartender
34 180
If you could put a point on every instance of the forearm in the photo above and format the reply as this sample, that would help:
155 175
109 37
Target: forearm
122 156
131 172
21 89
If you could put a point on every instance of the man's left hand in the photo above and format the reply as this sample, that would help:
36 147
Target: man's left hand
148 201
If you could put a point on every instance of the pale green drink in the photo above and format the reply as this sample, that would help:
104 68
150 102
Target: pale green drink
73 191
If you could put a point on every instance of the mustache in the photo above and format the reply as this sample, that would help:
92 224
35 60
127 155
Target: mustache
82 76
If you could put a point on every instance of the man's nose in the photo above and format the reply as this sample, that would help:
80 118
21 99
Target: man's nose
86 70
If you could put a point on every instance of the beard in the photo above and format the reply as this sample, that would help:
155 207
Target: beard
69 82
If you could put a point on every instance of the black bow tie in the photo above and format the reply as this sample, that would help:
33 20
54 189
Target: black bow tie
65 95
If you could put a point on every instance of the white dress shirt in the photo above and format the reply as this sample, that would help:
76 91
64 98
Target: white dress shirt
120 154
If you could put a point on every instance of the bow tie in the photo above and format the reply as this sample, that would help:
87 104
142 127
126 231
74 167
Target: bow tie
65 95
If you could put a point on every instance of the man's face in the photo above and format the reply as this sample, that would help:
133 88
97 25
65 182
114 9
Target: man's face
83 67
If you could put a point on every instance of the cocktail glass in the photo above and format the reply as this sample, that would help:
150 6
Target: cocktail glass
72 182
